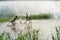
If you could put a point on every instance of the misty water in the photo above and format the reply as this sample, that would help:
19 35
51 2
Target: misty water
46 27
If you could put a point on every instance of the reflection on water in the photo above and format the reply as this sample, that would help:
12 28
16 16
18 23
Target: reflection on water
1 24
4 28
46 28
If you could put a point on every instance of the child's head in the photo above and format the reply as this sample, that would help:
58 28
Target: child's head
16 17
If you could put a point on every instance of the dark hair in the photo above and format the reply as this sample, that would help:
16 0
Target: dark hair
16 16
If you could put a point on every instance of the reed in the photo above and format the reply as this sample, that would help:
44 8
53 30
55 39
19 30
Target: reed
57 33
27 36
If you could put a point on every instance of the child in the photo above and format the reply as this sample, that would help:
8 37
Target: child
13 21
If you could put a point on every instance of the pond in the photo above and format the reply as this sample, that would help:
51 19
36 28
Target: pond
46 27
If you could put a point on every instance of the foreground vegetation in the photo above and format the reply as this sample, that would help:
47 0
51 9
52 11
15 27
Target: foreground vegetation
27 36
57 37
39 16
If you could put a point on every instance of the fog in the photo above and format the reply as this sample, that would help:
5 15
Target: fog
32 7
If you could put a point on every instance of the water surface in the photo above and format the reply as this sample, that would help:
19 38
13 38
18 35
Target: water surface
46 27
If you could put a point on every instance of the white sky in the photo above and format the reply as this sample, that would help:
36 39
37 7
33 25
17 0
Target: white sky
32 7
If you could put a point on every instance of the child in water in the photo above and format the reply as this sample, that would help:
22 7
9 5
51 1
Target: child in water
16 23
13 21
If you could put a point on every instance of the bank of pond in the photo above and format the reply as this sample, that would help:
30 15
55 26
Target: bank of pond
36 16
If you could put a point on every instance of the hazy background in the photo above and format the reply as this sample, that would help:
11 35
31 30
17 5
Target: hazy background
31 7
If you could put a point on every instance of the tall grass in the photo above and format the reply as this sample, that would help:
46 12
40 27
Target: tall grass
5 36
57 33
27 36
42 16
1 36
